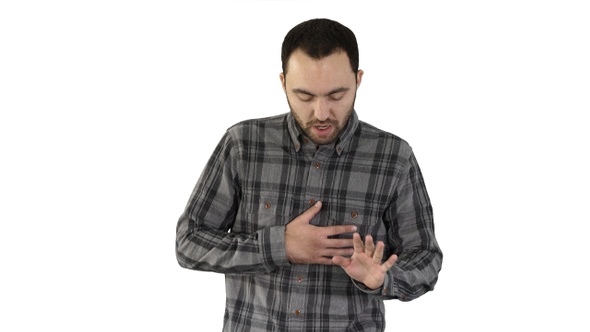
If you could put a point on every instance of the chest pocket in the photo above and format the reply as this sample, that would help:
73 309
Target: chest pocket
264 210
368 222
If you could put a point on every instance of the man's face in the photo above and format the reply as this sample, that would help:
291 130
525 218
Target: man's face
321 93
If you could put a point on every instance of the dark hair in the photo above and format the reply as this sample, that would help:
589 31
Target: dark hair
319 38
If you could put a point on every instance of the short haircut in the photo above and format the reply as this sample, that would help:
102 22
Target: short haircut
319 38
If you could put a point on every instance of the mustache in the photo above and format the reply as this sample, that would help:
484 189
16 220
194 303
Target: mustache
321 123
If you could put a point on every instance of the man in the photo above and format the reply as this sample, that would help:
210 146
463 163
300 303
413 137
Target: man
313 216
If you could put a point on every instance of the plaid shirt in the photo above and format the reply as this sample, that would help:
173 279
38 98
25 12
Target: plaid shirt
263 174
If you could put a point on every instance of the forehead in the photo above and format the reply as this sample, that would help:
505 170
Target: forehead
328 72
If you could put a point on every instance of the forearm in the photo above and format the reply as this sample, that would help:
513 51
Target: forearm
415 274
206 249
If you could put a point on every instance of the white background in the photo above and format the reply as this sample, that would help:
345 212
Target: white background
110 109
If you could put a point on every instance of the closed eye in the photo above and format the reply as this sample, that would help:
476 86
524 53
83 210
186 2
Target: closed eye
336 96
304 96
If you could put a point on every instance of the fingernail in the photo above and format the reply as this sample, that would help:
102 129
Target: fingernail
318 204
354 228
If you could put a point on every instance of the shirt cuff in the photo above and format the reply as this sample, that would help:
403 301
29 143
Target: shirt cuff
366 289
271 241
383 292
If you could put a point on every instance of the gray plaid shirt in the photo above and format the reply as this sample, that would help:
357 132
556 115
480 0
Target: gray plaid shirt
263 174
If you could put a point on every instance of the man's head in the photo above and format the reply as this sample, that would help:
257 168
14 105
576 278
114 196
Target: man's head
320 77
319 38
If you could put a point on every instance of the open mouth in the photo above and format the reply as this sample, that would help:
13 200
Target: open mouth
322 129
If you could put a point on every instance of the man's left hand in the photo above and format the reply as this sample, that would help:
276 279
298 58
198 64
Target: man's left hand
365 263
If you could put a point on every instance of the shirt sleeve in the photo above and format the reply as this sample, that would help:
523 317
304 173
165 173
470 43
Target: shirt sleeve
203 238
411 236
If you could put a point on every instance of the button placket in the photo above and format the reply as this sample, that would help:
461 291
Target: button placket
313 190
298 295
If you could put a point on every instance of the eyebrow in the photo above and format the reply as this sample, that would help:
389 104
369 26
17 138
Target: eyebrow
305 92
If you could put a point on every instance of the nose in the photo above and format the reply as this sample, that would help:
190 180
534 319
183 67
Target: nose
321 109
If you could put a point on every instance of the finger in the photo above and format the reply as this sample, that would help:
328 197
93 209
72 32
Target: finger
378 256
369 245
324 261
310 213
388 264
339 243
357 243
341 261
338 230
347 252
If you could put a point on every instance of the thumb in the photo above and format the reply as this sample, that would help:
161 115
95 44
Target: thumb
306 216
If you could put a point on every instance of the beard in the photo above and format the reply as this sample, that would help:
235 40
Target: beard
307 127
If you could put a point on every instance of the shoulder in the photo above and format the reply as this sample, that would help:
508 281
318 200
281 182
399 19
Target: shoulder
259 134
370 134
276 122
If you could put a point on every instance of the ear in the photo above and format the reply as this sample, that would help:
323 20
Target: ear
283 84
359 78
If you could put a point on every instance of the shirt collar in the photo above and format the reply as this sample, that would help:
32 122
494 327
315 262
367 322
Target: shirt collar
341 143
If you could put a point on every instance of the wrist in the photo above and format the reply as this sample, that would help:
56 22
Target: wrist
366 288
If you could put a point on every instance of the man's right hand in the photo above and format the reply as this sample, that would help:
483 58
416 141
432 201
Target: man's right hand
309 244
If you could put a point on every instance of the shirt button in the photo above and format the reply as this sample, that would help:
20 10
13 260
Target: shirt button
267 205
299 278
311 201
316 165
297 312
354 214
